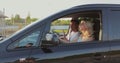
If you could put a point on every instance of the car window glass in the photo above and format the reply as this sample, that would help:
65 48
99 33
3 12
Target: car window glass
28 41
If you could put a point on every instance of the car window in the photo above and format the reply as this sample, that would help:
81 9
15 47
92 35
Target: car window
86 26
29 40
60 26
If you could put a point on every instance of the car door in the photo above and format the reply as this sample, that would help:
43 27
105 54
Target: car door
115 51
88 52
114 33
78 52
19 51
15 56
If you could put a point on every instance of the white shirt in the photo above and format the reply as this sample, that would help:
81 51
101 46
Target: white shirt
73 36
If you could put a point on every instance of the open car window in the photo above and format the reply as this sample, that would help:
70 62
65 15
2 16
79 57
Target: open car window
61 28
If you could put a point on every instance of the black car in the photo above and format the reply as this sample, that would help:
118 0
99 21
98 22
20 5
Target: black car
33 44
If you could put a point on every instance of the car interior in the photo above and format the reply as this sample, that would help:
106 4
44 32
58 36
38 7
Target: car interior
91 16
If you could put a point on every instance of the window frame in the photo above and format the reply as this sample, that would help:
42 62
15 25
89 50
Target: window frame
38 28
65 14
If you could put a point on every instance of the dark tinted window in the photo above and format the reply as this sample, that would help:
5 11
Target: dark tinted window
114 24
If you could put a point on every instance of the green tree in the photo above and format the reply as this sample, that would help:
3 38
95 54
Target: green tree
17 18
34 19
8 21
12 20
28 19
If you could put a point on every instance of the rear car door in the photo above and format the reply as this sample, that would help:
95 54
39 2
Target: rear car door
114 33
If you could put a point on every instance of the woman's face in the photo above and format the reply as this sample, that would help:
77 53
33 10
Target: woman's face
82 26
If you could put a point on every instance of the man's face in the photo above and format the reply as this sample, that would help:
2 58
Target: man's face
73 25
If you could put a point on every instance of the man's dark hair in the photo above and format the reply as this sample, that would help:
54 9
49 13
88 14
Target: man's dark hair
76 21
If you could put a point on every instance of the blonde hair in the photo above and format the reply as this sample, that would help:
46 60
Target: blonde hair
90 26
89 30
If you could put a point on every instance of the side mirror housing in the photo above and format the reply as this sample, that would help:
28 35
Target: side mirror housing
50 41
1 38
49 37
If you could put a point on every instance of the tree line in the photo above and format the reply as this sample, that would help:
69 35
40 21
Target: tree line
61 22
18 20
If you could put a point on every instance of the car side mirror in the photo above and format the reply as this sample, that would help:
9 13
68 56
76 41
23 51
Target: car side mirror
50 40
49 37
1 38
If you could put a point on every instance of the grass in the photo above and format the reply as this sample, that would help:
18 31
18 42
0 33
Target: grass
61 31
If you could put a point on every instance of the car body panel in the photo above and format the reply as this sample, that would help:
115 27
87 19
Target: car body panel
79 52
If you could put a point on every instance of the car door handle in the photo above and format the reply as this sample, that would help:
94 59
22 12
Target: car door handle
98 56
47 50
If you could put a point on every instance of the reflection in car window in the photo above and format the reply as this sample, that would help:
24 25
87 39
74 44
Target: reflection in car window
32 38
28 41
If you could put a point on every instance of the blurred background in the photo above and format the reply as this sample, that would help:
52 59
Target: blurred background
16 14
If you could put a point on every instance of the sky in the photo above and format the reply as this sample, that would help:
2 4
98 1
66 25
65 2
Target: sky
43 8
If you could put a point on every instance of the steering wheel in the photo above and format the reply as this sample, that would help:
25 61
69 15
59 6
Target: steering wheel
56 38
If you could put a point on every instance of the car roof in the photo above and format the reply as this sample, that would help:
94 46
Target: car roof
96 5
